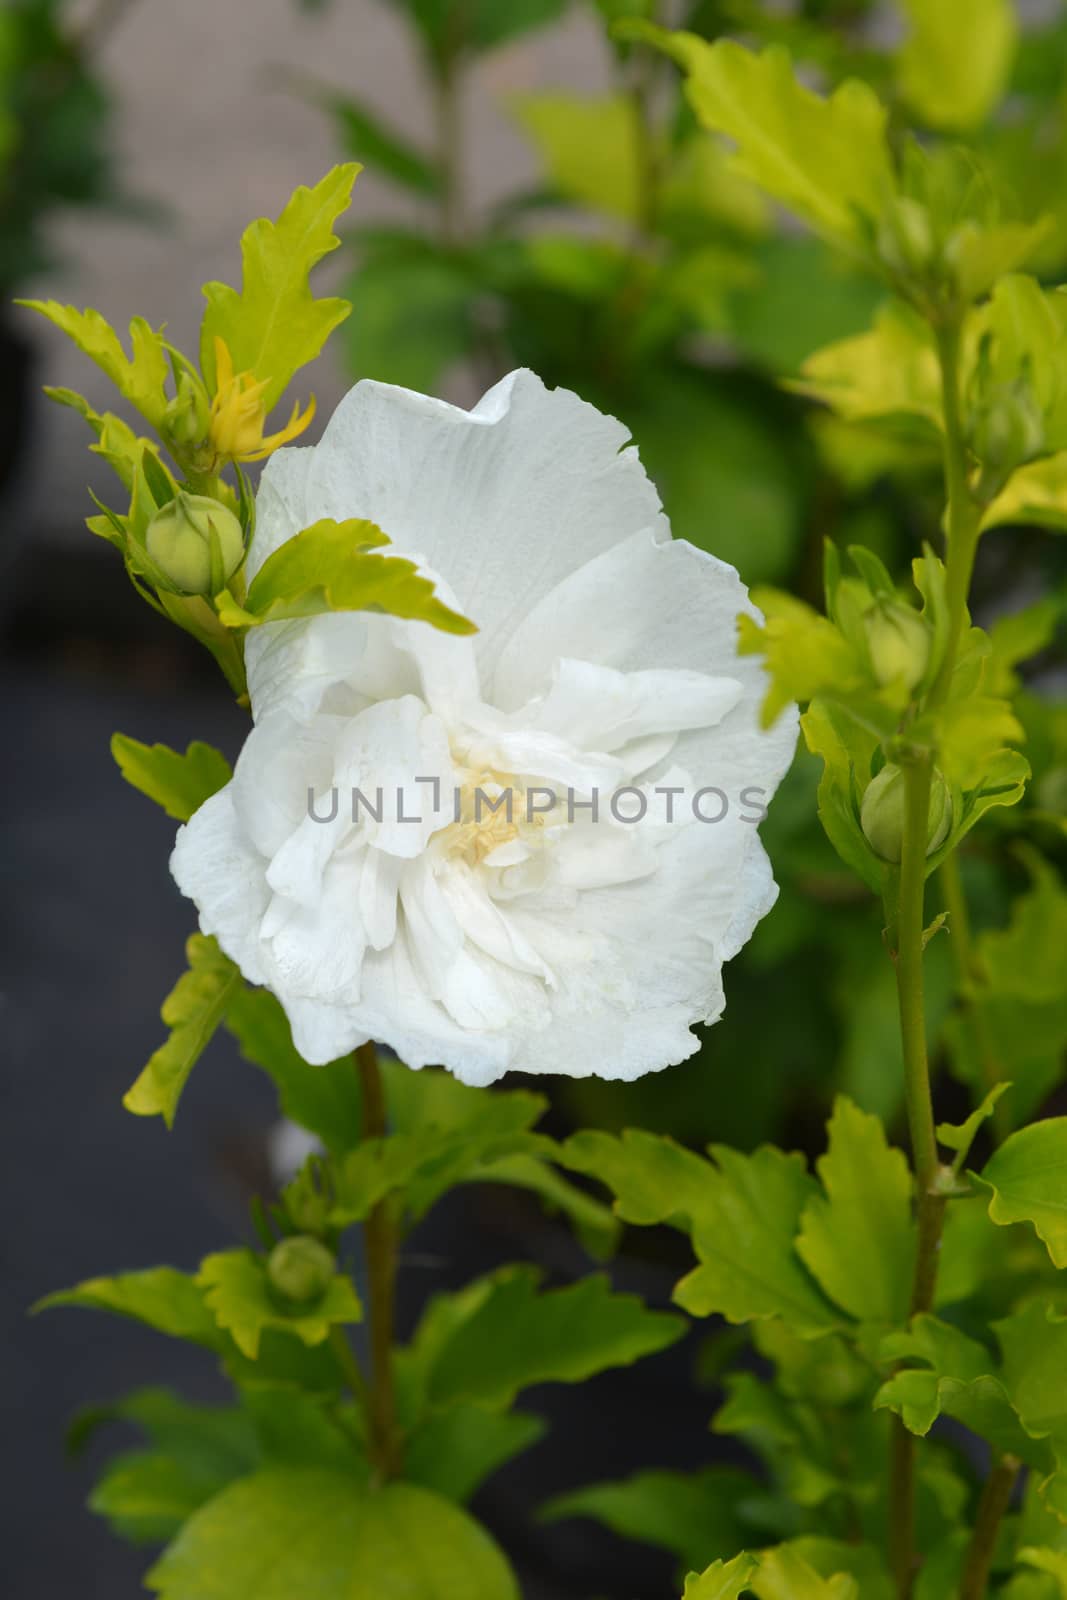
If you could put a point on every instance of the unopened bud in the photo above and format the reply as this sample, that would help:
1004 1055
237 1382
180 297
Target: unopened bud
898 643
187 417
196 542
884 810
300 1269
905 238
1009 429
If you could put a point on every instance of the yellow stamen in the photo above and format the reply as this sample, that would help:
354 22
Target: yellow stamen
238 415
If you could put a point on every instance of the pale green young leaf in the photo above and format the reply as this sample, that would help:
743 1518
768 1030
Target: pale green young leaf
274 325
178 783
858 1238
236 1291
1027 1180
690 1514
836 1563
804 653
590 148
161 1297
959 1136
520 1335
785 1575
1036 493
955 63
329 567
891 371
116 442
1033 1342
312 1531
325 1100
722 1580
192 1011
140 378
1054 1562
826 159
653 1178
453 1452
847 751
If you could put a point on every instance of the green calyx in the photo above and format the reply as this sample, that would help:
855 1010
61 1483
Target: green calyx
196 542
300 1269
884 807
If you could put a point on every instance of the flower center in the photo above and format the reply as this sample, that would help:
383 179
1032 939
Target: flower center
489 809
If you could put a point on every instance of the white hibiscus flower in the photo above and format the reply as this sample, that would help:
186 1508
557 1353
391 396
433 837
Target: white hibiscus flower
547 941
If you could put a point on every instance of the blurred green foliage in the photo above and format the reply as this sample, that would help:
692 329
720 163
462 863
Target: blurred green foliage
643 270
54 131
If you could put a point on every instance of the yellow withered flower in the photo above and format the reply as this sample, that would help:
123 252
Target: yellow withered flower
238 415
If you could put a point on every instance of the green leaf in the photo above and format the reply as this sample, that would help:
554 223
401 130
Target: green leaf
178 783
1027 1177
325 1100
722 1580
846 751
959 1136
519 1336
146 1495
413 318
1036 493
309 1531
453 1452
858 1240
590 148
689 1514
955 63
327 567
192 1011
235 1289
826 159
273 326
160 1297
785 1575
804 653
141 379
1053 1562
742 1212
891 371
1033 1341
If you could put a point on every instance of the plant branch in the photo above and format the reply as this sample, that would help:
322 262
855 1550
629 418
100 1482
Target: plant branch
379 1237
996 1498
962 523
971 980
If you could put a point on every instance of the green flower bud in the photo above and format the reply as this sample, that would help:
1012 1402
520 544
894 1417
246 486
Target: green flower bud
905 241
187 418
884 808
300 1269
197 543
898 643
1009 428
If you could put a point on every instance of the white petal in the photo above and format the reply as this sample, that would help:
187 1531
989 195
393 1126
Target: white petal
214 864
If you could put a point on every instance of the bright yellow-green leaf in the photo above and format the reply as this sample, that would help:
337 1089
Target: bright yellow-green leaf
858 1239
785 1575
140 379
589 147
1054 1562
327 567
723 1580
826 159
178 783
160 1297
315 1533
955 62
1028 1179
192 1011
959 1136
236 1291
274 325
890 371
116 440
1036 493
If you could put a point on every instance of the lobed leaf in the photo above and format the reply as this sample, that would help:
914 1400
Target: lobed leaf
236 1291
178 783
192 1011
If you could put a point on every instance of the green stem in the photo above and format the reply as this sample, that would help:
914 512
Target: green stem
996 1498
971 979
961 527
379 1237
